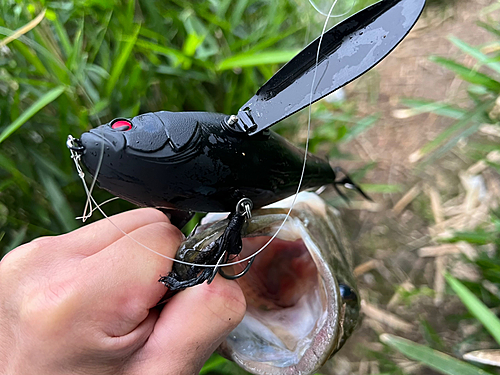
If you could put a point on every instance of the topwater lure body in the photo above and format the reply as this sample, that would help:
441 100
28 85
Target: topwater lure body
196 161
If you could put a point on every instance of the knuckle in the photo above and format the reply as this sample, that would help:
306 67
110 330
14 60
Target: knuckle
154 215
47 310
167 232
14 260
134 310
42 241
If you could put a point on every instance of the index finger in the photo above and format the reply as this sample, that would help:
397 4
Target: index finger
95 237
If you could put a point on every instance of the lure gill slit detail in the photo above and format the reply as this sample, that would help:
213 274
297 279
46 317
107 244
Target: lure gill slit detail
98 206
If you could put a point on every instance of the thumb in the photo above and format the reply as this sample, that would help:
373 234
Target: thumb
191 326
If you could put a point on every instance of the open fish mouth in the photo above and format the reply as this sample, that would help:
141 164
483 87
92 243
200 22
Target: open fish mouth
300 291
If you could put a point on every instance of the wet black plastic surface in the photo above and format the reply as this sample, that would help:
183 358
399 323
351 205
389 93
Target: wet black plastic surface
347 50
200 166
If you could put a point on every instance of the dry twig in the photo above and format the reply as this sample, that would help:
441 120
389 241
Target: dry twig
385 317
406 199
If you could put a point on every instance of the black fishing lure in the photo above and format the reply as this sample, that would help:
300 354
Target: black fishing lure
196 161
185 162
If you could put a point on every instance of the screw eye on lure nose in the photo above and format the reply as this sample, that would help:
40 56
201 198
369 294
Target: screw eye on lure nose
121 125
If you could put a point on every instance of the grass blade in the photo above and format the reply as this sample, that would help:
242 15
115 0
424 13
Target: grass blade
489 28
119 64
255 59
31 111
23 30
212 364
452 143
30 57
434 359
382 188
462 123
423 106
476 307
58 202
60 31
17 239
476 53
191 44
468 74
74 57
177 57
361 126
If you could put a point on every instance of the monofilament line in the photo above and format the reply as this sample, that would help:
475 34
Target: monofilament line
329 15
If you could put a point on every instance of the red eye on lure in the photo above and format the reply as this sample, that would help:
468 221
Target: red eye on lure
121 125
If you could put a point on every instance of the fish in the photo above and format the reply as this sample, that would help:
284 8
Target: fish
301 294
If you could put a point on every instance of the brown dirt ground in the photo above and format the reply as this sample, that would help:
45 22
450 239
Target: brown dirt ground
393 239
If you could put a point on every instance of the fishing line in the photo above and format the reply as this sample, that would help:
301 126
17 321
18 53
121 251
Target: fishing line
76 159
91 199
94 180
329 15
83 218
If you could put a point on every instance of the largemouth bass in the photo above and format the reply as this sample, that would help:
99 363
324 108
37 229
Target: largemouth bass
302 301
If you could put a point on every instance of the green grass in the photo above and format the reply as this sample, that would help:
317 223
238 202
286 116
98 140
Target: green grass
483 108
434 359
437 360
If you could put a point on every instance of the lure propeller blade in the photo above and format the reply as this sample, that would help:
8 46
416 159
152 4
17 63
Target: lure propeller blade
347 50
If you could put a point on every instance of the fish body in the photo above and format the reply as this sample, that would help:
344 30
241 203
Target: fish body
196 161
302 300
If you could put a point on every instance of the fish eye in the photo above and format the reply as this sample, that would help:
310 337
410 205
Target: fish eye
121 125
347 293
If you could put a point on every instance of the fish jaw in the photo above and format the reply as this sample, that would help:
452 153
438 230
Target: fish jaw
294 337
295 312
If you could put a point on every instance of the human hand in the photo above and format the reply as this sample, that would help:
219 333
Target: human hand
84 303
